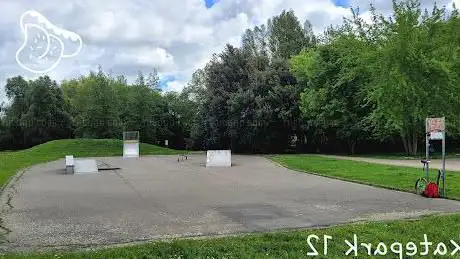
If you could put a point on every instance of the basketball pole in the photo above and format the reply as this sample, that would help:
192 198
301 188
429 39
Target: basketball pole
444 161
436 130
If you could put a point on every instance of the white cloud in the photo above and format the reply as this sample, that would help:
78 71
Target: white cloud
103 26
191 34
175 86
145 56
176 37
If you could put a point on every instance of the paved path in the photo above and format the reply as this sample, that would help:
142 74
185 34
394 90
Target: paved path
451 164
157 197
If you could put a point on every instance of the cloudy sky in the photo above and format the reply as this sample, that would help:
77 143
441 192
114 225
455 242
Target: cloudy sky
176 37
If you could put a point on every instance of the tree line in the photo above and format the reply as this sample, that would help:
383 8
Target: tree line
358 87
94 106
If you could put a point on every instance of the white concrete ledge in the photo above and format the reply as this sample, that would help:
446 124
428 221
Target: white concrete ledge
219 158
69 164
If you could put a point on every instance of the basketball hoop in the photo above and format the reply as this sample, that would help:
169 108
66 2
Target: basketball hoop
435 128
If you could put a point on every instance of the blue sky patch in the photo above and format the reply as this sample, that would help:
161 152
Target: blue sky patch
164 81
342 3
210 3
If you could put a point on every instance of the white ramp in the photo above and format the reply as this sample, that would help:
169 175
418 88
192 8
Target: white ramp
130 149
219 158
131 144
85 166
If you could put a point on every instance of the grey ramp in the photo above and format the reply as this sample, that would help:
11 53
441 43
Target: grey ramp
156 197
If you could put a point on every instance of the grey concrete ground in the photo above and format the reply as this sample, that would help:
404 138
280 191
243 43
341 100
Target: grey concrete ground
451 164
157 197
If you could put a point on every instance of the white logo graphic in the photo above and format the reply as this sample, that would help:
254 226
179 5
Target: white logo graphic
45 44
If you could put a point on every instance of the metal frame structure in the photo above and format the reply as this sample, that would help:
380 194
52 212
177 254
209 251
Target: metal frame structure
436 130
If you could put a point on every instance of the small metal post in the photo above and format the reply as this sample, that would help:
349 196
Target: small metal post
444 164
427 154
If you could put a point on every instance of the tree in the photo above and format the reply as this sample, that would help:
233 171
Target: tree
250 102
4 134
143 111
195 91
16 90
181 112
225 74
101 115
104 106
414 71
46 117
286 35
310 37
153 81
38 113
335 78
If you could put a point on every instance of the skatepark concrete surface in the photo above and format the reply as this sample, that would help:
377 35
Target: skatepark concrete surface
158 197
452 164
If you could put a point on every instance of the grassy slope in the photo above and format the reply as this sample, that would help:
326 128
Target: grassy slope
289 244
12 162
394 177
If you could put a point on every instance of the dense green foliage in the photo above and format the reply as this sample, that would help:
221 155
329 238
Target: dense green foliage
361 86
93 106
12 162
294 244
382 79
251 102
37 114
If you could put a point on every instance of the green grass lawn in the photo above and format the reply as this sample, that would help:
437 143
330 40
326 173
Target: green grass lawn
404 156
394 177
292 244
12 162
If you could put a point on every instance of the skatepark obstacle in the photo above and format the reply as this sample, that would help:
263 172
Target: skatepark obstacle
80 166
218 158
182 157
86 166
69 164
131 144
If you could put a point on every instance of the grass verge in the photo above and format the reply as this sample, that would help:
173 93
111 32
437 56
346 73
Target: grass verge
12 162
403 156
406 157
387 176
294 244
